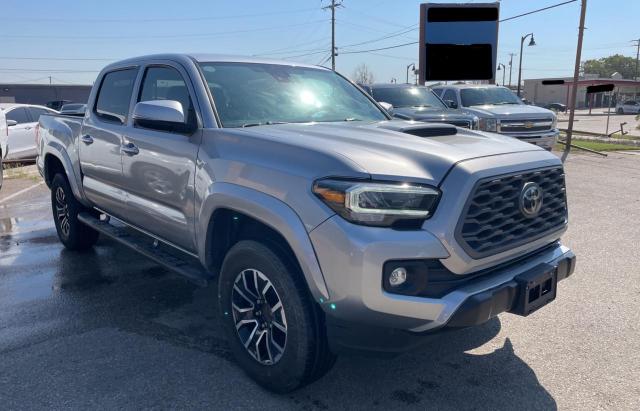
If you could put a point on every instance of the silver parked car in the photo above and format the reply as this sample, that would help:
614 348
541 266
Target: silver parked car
327 225
501 111
22 120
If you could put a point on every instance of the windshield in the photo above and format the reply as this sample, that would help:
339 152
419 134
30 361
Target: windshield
407 97
250 94
487 95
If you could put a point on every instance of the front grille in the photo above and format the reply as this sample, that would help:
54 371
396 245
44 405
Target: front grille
525 126
492 221
460 123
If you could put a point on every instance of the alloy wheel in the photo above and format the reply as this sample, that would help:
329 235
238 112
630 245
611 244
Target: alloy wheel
62 212
259 316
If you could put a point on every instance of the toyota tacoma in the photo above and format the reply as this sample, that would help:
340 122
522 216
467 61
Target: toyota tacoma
328 226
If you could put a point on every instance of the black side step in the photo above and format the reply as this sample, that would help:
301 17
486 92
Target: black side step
143 244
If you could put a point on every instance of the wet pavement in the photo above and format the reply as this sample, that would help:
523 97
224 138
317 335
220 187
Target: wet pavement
110 329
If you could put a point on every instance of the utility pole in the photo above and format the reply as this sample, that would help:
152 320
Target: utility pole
576 75
637 57
510 66
334 53
49 80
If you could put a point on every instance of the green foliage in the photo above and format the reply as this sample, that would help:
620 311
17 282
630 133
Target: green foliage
606 66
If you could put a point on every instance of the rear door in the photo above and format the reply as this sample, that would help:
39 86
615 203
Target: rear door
21 142
159 166
101 140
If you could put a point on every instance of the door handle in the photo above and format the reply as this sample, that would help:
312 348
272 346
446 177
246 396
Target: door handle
87 139
130 149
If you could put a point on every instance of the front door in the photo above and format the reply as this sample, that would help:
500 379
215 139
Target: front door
101 140
159 166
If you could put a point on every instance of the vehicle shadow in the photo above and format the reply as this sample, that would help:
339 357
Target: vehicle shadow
440 375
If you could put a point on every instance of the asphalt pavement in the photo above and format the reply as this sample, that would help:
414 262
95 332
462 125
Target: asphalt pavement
109 329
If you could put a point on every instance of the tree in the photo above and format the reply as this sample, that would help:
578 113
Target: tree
362 74
606 66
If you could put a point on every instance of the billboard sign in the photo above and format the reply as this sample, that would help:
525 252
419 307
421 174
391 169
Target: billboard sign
458 41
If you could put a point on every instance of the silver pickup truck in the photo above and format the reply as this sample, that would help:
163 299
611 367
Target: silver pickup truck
328 226
501 111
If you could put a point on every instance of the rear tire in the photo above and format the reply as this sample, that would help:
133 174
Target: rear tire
72 233
274 329
620 111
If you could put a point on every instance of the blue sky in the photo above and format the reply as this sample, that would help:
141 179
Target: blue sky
40 38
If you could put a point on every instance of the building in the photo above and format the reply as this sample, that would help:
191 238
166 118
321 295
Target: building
43 93
541 94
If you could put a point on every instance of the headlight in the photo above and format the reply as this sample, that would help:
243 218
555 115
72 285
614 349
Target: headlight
475 124
489 124
378 203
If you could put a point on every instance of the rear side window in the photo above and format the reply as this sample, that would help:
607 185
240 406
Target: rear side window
19 115
166 83
438 91
36 112
115 94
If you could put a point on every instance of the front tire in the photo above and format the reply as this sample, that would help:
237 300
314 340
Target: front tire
620 111
72 233
274 330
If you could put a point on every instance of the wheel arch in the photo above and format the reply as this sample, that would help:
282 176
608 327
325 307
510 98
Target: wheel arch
230 213
57 159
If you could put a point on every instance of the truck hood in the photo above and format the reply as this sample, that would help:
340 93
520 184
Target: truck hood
386 150
511 111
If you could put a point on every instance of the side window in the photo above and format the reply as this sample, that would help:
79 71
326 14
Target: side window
19 114
36 112
438 92
114 95
166 83
449 95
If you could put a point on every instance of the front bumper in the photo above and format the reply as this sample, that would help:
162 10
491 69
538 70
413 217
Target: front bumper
546 140
352 258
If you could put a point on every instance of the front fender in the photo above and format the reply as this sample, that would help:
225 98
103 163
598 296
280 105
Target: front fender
270 211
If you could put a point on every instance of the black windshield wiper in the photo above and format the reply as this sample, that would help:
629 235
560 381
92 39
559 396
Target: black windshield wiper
266 123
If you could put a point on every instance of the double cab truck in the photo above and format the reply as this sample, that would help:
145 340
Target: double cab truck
328 226
501 111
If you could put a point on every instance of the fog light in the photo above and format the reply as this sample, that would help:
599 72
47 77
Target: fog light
398 277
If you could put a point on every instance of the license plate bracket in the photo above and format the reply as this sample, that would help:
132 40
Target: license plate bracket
536 288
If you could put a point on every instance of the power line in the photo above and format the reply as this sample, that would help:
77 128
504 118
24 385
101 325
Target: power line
167 36
380 48
390 35
538 10
151 20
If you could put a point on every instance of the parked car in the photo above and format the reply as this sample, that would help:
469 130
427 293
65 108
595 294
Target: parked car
409 102
73 109
328 225
4 137
557 107
22 120
501 111
57 104
628 107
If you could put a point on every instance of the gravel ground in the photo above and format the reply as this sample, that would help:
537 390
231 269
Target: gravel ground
109 329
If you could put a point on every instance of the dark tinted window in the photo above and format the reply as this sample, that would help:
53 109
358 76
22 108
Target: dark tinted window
19 114
479 96
36 112
449 95
166 83
115 94
438 91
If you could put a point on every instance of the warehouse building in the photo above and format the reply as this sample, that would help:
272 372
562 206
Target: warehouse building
43 93
541 94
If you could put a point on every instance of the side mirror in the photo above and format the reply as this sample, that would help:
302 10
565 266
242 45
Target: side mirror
451 104
11 123
387 107
164 115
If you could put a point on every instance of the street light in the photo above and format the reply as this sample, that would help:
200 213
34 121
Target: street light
504 71
408 67
532 42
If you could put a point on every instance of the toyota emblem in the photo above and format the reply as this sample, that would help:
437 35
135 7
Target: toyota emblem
531 199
